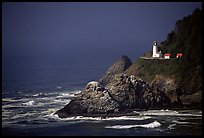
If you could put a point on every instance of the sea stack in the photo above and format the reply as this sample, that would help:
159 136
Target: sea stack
119 67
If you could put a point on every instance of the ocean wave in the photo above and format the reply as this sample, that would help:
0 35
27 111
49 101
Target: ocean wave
99 118
56 94
35 102
171 126
49 111
38 94
128 118
150 125
69 94
12 100
158 112
22 116
182 122
166 112
61 101
5 107
6 114
44 94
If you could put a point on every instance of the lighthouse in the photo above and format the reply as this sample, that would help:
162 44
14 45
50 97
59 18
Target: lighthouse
155 53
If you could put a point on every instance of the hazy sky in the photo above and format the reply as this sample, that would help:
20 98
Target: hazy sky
88 28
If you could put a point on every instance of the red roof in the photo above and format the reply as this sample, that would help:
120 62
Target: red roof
179 54
167 54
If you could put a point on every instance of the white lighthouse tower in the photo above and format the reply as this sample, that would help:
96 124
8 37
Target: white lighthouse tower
155 53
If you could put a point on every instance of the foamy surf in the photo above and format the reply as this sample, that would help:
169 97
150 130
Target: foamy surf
166 113
30 103
99 118
150 125
158 112
182 122
12 100
38 94
68 94
171 126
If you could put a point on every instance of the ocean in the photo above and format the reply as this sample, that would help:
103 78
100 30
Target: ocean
34 87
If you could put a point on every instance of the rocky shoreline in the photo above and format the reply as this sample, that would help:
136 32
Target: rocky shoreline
117 93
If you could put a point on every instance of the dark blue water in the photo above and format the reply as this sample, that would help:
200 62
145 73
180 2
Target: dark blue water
41 73
34 87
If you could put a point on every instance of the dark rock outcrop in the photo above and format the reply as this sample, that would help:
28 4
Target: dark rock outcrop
122 94
119 67
94 99
164 89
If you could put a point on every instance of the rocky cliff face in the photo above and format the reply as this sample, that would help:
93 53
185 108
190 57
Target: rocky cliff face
123 93
128 91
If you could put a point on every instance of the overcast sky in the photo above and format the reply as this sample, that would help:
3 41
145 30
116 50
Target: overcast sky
88 28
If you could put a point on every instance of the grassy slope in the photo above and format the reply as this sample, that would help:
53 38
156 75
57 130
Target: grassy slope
148 69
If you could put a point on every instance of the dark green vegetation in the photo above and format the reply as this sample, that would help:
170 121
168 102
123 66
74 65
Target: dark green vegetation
186 38
148 68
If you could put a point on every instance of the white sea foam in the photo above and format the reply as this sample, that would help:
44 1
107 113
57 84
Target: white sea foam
38 94
68 94
171 126
158 112
49 111
100 118
127 118
12 100
61 101
51 115
193 114
18 116
167 112
182 122
11 106
6 114
150 125
30 103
